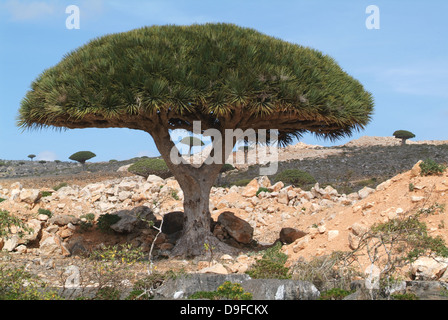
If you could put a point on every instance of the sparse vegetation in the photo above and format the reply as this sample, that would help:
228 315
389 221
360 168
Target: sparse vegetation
60 185
261 189
18 284
8 222
334 294
271 265
45 212
146 167
296 177
227 291
430 167
104 222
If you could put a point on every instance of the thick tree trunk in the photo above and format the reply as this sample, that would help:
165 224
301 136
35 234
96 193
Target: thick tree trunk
197 231
196 184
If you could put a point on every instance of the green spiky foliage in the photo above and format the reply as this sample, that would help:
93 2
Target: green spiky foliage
213 72
161 78
403 135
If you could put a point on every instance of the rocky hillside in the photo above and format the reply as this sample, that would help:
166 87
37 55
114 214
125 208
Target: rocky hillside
310 223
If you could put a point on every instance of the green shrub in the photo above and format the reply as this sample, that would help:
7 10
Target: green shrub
44 194
296 177
334 294
326 272
146 167
242 182
261 189
143 288
228 290
271 265
2 199
59 186
45 212
227 167
88 223
430 167
124 253
175 195
7 221
18 284
105 221
404 296
107 293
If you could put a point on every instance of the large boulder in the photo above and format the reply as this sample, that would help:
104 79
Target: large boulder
237 228
173 222
251 188
429 268
30 196
289 235
130 220
63 219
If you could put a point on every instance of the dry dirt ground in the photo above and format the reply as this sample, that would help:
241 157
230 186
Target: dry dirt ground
394 199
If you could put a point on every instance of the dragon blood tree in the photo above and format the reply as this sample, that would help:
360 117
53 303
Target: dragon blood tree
162 78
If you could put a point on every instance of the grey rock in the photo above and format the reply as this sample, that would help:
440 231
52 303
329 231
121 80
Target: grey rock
63 219
132 219
173 222
261 289
281 289
185 286
289 235
237 228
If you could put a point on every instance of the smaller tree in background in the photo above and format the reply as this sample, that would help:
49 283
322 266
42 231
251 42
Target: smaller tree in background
191 142
82 157
403 135
31 156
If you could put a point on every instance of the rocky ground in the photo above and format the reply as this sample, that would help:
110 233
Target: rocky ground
310 223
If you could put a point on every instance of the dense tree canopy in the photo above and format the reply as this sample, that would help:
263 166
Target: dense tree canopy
224 75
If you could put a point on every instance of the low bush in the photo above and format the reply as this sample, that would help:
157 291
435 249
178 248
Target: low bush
45 212
261 189
8 221
295 177
227 167
228 290
105 221
18 284
146 167
242 182
430 167
60 185
271 265
334 294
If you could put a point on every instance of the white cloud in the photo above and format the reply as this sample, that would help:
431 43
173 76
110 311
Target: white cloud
47 156
428 78
29 10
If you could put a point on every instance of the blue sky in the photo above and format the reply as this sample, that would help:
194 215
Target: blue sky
404 64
